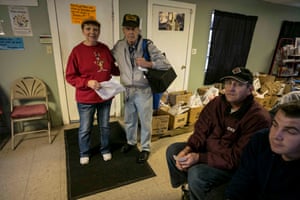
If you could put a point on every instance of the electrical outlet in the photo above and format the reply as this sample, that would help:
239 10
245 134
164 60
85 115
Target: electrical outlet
194 51
49 49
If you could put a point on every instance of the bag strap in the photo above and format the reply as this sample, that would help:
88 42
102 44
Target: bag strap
146 54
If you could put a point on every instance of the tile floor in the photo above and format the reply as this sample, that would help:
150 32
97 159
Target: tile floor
37 170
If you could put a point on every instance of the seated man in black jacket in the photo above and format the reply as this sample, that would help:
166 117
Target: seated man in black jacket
270 163
211 154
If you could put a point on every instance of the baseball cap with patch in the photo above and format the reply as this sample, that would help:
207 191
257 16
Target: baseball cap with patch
131 20
240 74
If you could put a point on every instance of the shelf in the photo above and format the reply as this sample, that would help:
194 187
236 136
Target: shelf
286 76
291 60
287 72
286 60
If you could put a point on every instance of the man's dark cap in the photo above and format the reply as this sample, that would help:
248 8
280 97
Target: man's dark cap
131 20
240 74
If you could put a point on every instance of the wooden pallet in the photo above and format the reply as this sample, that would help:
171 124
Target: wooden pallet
174 132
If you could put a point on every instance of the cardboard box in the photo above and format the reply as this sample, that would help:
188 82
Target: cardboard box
164 98
273 101
165 108
202 90
287 88
264 78
268 102
264 102
160 123
193 114
177 121
179 96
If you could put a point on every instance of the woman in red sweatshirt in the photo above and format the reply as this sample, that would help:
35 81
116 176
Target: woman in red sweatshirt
90 63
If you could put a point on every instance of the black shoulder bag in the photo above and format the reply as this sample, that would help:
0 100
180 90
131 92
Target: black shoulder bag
159 80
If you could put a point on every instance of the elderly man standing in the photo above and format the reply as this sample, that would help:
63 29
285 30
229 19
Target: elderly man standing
128 54
212 153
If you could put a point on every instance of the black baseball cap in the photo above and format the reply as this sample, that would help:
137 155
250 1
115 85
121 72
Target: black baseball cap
240 74
131 20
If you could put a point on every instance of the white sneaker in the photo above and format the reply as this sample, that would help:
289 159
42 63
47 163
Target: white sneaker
107 156
84 160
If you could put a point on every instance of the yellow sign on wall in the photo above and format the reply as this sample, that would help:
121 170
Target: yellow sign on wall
82 12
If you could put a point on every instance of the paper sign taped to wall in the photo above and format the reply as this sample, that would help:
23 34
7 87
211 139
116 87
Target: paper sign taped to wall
81 12
11 43
20 21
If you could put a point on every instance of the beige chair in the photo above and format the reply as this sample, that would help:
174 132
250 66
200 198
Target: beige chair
29 103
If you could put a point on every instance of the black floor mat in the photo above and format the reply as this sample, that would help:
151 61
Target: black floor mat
99 175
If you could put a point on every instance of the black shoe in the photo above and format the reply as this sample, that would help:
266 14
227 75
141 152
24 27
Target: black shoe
185 193
126 148
143 156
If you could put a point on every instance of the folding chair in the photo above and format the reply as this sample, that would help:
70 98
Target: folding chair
28 102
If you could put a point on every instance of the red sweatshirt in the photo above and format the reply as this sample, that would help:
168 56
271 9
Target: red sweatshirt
89 63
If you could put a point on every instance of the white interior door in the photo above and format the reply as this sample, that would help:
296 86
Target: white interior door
170 26
69 33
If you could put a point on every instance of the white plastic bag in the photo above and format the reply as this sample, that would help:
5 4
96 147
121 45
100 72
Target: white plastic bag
195 100
209 95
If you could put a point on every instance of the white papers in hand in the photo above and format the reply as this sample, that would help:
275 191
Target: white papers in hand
109 89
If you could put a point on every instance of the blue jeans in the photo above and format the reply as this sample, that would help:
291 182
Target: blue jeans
201 178
138 105
86 119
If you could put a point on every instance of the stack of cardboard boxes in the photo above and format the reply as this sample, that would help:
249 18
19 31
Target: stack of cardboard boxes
164 121
272 88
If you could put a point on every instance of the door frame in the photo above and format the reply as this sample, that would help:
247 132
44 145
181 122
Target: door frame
60 74
176 4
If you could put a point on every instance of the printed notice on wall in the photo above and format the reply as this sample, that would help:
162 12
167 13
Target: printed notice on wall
81 12
20 21
11 43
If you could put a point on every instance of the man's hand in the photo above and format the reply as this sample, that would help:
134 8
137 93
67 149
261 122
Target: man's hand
189 160
186 159
143 63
